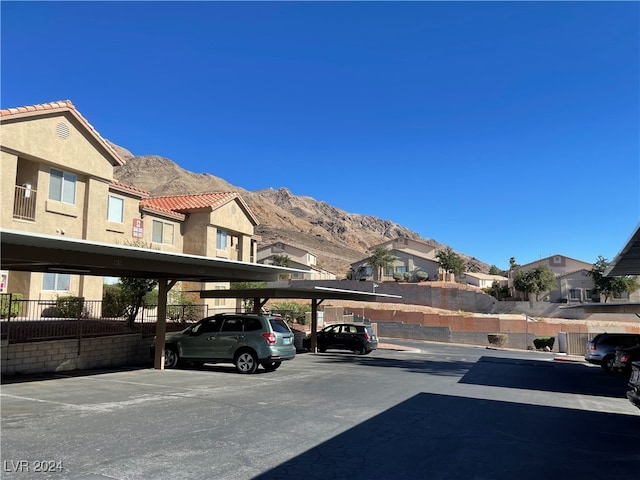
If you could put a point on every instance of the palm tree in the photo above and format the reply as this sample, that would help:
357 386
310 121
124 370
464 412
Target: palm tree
381 258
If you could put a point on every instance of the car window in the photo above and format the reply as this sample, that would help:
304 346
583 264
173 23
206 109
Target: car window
233 324
350 329
211 325
278 325
206 325
252 324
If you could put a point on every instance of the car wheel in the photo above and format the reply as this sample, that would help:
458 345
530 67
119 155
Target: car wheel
246 362
359 349
171 357
322 348
271 366
607 363
367 352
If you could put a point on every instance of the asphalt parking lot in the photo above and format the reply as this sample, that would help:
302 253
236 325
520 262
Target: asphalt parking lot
443 412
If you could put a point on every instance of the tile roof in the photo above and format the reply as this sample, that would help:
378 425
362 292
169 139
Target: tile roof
128 188
186 203
59 106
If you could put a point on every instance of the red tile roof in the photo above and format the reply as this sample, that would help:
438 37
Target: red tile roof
186 203
60 106
128 188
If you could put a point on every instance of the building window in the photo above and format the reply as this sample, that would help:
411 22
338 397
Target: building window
162 232
115 210
575 294
221 240
220 302
401 268
56 282
62 186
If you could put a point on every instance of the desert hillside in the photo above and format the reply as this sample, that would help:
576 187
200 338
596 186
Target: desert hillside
336 237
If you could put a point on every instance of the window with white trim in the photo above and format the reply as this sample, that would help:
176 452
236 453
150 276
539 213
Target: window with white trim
115 209
56 282
162 232
221 240
62 186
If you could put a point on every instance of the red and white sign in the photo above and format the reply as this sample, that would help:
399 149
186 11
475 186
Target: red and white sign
138 228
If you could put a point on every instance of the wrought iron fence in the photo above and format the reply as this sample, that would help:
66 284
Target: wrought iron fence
24 202
74 317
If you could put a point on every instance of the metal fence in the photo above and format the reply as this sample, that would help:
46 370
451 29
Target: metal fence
74 317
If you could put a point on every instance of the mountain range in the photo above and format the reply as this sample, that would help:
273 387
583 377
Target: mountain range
336 237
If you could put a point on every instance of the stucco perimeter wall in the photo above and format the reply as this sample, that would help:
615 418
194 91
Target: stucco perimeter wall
66 355
473 329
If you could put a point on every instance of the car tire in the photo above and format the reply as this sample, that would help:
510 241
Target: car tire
367 352
322 348
246 362
359 349
271 366
171 357
607 363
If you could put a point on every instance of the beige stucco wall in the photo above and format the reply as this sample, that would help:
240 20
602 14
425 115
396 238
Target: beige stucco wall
79 152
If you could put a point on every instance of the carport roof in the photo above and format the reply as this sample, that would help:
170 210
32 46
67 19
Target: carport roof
316 293
32 252
627 262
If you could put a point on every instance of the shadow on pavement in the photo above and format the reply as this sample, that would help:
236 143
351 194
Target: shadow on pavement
434 436
546 376
444 368
39 377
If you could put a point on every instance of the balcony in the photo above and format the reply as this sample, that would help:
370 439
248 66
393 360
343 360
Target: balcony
24 203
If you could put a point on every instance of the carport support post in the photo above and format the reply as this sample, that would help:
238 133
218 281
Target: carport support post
164 285
314 324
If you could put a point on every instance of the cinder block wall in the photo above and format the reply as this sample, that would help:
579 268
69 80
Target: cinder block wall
66 355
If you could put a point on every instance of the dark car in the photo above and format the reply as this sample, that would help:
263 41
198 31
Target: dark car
624 357
601 349
634 382
347 336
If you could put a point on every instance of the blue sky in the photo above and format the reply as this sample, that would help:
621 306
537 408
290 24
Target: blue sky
502 129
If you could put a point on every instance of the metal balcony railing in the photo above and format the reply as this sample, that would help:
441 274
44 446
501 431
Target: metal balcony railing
24 202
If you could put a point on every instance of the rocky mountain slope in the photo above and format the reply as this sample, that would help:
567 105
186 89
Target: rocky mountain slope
336 237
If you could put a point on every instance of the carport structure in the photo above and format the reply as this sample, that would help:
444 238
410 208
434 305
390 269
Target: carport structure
317 295
32 252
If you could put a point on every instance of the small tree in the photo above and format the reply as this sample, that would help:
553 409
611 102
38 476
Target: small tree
381 258
282 260
134 291
611 286
292 310
493 270
450 261
535 280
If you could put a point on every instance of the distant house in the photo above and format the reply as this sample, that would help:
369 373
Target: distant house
573 284
411 256
484 280
298 258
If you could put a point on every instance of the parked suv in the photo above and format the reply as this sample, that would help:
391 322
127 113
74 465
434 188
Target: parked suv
601 349
246 340
347 336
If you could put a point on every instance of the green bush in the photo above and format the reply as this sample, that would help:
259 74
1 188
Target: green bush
497 339
398 276
11 301
114 304
421 276
69 306
542 342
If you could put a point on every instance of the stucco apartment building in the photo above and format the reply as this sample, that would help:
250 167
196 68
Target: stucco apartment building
298 258
57 179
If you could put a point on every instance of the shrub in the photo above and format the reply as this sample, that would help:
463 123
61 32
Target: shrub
69 307
398 276
421 276
113 302
542 342
498 339
11 301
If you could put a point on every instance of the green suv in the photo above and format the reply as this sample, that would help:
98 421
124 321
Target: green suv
246 340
